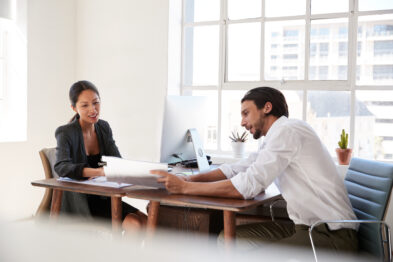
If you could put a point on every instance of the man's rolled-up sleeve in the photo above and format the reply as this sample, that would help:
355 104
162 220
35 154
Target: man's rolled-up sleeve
270 162
231 170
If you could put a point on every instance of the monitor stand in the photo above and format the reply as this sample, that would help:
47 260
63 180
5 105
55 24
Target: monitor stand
203 164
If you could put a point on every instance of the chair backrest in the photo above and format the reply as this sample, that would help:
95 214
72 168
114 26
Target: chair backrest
48 158
369 185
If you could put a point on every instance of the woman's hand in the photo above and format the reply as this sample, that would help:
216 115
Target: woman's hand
93 172
173 183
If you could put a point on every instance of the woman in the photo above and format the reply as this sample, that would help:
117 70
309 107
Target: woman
80 145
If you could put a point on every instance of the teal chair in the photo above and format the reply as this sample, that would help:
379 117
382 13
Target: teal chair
369 185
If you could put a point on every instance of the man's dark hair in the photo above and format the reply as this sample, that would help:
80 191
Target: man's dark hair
262 95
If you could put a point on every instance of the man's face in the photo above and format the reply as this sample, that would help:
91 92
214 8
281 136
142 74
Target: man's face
253 119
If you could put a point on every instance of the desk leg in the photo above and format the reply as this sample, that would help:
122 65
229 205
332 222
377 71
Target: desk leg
116 213
229 227
57 195
152 216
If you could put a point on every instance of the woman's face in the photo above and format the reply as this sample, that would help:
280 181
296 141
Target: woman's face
88 107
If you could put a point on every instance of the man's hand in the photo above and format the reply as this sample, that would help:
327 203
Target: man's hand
172 183
183 177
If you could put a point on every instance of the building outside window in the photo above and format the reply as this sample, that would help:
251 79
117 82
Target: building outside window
381 72
323 49
333 64
342 72
383 47
342 49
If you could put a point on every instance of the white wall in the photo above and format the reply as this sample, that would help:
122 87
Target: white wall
51 38
121 46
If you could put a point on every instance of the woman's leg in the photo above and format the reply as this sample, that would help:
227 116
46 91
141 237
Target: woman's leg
134 222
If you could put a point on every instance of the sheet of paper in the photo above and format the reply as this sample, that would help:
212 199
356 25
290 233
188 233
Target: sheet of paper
97 181
134 172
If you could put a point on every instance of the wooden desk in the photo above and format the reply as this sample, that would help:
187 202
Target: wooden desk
227 205
157 196
59 186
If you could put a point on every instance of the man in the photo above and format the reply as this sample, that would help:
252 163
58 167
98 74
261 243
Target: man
294 158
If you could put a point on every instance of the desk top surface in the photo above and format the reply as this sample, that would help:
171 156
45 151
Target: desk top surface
81 188
163 196
230 204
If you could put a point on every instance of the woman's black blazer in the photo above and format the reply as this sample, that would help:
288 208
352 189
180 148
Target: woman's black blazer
71 153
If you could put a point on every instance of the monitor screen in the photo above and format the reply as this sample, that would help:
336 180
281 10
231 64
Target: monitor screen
181 114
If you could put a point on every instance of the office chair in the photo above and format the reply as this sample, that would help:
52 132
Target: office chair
48 157
369 185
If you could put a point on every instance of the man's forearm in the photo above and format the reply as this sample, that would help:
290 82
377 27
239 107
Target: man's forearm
222 188
212 176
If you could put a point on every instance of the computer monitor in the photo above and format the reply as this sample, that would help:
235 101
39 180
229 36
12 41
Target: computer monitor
181 114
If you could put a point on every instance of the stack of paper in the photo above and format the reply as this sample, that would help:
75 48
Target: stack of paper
96 181
132 172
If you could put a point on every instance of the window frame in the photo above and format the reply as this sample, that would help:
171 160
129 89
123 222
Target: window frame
305 85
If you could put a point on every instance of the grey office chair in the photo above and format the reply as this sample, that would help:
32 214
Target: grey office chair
48 157
72 203
369 185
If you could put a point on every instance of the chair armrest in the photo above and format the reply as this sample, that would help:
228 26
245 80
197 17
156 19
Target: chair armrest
351 221
272 205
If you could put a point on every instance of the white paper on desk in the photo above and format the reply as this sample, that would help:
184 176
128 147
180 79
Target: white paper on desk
133 172
97 181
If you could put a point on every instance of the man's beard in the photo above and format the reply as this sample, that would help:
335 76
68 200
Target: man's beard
258 129
257 134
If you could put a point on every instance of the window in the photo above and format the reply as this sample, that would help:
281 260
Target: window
359 49
273 8
343 32
201 55
289 67
342 48
290 56
383 30
324 32
291 33
323 49
323 72
367 5
292 41
313 49
290 46
244 52
259 43
384 47
382 72
375 57
3 61
13 80
312 73
342 72
332 6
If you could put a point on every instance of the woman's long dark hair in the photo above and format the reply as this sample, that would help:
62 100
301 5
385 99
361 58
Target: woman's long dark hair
76 89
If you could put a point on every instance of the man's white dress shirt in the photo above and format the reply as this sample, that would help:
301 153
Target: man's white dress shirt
294 158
